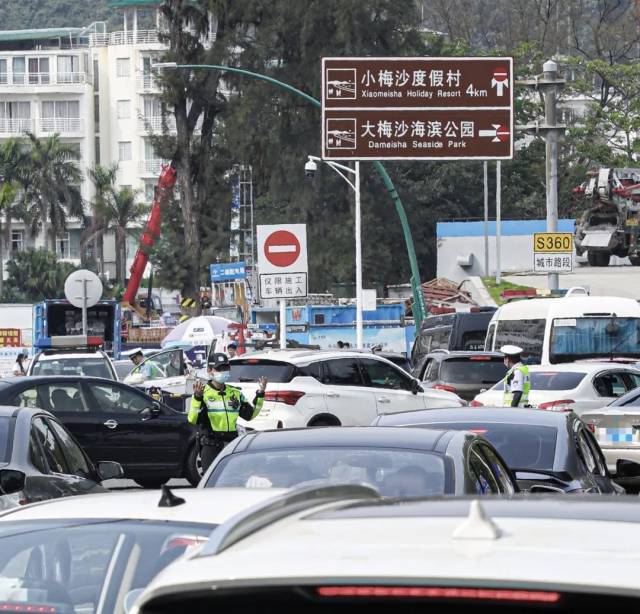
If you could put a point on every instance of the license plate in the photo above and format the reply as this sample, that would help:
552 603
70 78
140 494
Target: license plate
619 435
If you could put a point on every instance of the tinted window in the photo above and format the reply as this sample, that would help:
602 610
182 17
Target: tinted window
161 365
313 370
601 466
586 453
382 375
527 334
50 447
395 473
521 446
92 367
438 338
35 452
4 439
472 371
431 371
552 380
27 398
473 341
400 361
499 470
635 379
61 397
609 385
250 370
76 460
342 372
480 472
111 398
631 400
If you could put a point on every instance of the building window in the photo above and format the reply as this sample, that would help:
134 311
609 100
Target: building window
149 191
96 114
39 71
124 151
96 76
97 149
124 109
61 116
17 240
3 72
123 67
15 117
68 69
18 70
63 246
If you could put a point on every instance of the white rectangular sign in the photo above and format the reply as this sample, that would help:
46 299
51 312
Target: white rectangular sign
283 286
553 263
282 248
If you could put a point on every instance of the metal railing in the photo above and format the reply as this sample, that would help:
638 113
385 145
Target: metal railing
15 126
140 37
61 125
147 82
42 78
156 124
151 167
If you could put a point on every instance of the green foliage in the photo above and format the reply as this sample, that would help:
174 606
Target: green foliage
34 275
26 14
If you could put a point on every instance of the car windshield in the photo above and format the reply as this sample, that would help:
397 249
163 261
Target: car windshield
251 369
4 439
93 367
631 399
523 446
395 473
86 565
573 338
473 370
552 380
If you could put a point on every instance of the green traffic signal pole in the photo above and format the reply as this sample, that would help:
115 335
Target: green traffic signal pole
418 299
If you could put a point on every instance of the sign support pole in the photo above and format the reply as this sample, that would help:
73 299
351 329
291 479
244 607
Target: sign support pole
498 220
358 225
84 306
485 169
283 324
550 70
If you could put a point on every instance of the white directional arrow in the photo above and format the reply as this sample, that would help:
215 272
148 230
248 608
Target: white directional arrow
499 85
492 132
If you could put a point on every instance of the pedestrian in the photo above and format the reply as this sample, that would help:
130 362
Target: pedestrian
517 381
340 345
205 303
232 349
150 369
216 406
18 366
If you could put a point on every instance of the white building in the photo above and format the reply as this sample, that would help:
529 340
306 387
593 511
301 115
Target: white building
96 89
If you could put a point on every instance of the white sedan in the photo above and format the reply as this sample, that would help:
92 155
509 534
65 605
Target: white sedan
94 553
578 387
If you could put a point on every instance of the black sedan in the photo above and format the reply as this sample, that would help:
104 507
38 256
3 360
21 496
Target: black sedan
40 459
546 450
397 462
113 421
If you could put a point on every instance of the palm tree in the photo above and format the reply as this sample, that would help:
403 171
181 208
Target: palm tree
8 195
51 180
104 179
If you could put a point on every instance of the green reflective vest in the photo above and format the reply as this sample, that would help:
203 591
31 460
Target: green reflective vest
223 407
508 395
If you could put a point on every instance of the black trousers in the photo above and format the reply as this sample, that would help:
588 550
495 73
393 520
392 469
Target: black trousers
212 445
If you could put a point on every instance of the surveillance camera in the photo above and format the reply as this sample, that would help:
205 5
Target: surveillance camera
310 169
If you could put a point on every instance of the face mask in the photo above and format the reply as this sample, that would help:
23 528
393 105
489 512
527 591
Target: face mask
221 378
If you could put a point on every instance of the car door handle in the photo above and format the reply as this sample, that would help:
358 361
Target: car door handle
110 424
333 395
384 400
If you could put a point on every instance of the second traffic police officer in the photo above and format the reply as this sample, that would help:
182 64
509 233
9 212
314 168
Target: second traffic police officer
517 382
215 408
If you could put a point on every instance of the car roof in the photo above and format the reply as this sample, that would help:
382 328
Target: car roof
507 415
578 367
340 436
43 379
444 354
457 541
303 356
75 355
211 505
8 411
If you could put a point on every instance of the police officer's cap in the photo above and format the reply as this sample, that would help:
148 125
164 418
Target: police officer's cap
218 361
511 350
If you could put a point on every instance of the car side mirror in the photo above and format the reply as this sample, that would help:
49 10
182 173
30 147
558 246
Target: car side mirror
545 489
151 412
416 387
109 470
627 469
11 481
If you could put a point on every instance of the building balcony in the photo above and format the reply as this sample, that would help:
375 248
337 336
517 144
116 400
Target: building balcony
62 125
146 82
15 126
139 37
47 79
154 124
151 167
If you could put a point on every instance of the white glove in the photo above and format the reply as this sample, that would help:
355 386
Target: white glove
255 481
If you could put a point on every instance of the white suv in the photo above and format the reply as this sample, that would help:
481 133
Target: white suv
330 388
56 362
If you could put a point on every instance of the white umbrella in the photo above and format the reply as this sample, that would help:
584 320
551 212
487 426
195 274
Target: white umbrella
196 331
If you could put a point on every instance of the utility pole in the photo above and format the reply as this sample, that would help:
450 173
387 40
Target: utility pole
498 221
486 217
548 84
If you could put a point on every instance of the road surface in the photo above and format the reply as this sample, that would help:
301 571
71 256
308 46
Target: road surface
600 281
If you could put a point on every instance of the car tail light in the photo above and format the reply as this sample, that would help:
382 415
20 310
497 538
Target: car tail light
560 405
479 357
424 592
445 387
288 397
475 403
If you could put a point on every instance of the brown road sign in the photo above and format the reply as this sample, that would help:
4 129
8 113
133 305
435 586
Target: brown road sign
416 134
417 108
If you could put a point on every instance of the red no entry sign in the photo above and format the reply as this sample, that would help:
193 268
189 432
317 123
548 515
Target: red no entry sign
282 248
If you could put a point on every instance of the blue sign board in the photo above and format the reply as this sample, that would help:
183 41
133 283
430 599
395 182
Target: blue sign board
227 271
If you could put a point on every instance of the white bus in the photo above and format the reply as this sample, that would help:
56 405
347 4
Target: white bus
574 327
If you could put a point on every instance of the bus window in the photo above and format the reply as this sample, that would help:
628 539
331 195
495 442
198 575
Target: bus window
527 334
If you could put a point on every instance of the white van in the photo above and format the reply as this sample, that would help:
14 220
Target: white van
574 327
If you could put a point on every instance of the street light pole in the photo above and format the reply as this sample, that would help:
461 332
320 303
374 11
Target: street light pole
419 310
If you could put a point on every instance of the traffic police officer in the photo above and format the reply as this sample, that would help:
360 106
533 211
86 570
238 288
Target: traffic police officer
517 382
215 408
